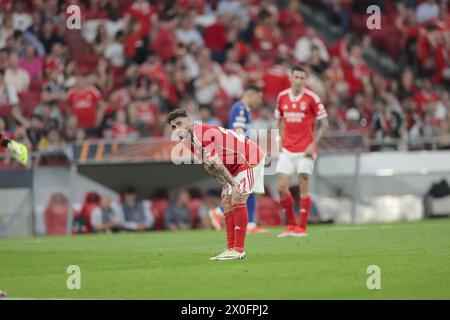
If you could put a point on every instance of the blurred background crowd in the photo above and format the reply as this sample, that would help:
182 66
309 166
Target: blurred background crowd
135 60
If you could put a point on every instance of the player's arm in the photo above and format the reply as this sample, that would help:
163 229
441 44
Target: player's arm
321 127
218 170
280 127
278 114
225 179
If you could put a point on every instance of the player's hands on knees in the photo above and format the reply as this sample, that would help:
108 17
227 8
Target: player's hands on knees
226 193
236 195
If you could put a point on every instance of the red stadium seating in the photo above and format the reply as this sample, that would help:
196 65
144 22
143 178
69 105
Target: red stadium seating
193 206
91 201
29 100
268 211
56 215
158 207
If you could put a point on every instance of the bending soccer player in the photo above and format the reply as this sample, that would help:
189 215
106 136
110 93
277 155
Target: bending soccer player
236 162
17 150
297 111
240 120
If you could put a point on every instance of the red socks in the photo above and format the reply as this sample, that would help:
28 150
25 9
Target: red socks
240 225
229 222
305 206
288 205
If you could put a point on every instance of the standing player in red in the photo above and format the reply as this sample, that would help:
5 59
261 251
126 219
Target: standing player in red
297 111
236 162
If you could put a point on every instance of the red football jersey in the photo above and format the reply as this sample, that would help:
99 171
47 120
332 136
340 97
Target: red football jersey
235 151
83 103
299 115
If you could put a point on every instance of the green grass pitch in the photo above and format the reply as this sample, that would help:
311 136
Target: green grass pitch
331 263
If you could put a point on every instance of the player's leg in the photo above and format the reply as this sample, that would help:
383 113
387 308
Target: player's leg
305 169
251 206
229 218
240 212
250 181
239 218
285 169
287 203
229 223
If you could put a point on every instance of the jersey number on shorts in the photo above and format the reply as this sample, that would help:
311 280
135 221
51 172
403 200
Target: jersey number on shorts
242 185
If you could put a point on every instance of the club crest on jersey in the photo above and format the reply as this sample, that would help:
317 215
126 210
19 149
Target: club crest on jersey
303 106
285 107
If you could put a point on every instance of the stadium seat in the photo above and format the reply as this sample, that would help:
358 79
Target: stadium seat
158 208
91 201
28 102
193 206
36 85
77 45
4 110
56 215
268 211
358 23
87 63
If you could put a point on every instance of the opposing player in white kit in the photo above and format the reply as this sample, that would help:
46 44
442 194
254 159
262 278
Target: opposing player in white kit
297 111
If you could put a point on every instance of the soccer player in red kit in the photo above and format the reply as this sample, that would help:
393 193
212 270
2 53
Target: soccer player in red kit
236 162
297 111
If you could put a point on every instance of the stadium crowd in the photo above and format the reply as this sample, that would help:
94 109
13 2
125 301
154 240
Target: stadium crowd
180 210
135 60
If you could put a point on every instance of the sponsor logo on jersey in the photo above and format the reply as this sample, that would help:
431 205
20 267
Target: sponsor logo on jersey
294 116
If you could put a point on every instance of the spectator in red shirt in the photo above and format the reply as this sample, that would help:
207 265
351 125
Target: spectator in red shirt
276 79
215 37
291 22
426 49
142 12
163 43
426 97
266 35
406 87
121 127
85 102
132 39
357 70
252 68
198 5
443 60
95 10
233 40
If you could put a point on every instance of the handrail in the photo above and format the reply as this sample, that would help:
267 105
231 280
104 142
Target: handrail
367 145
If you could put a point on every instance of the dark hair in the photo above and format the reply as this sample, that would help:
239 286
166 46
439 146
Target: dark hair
213 193
253 87
130 189
176 114
298 68
37 116
2 72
